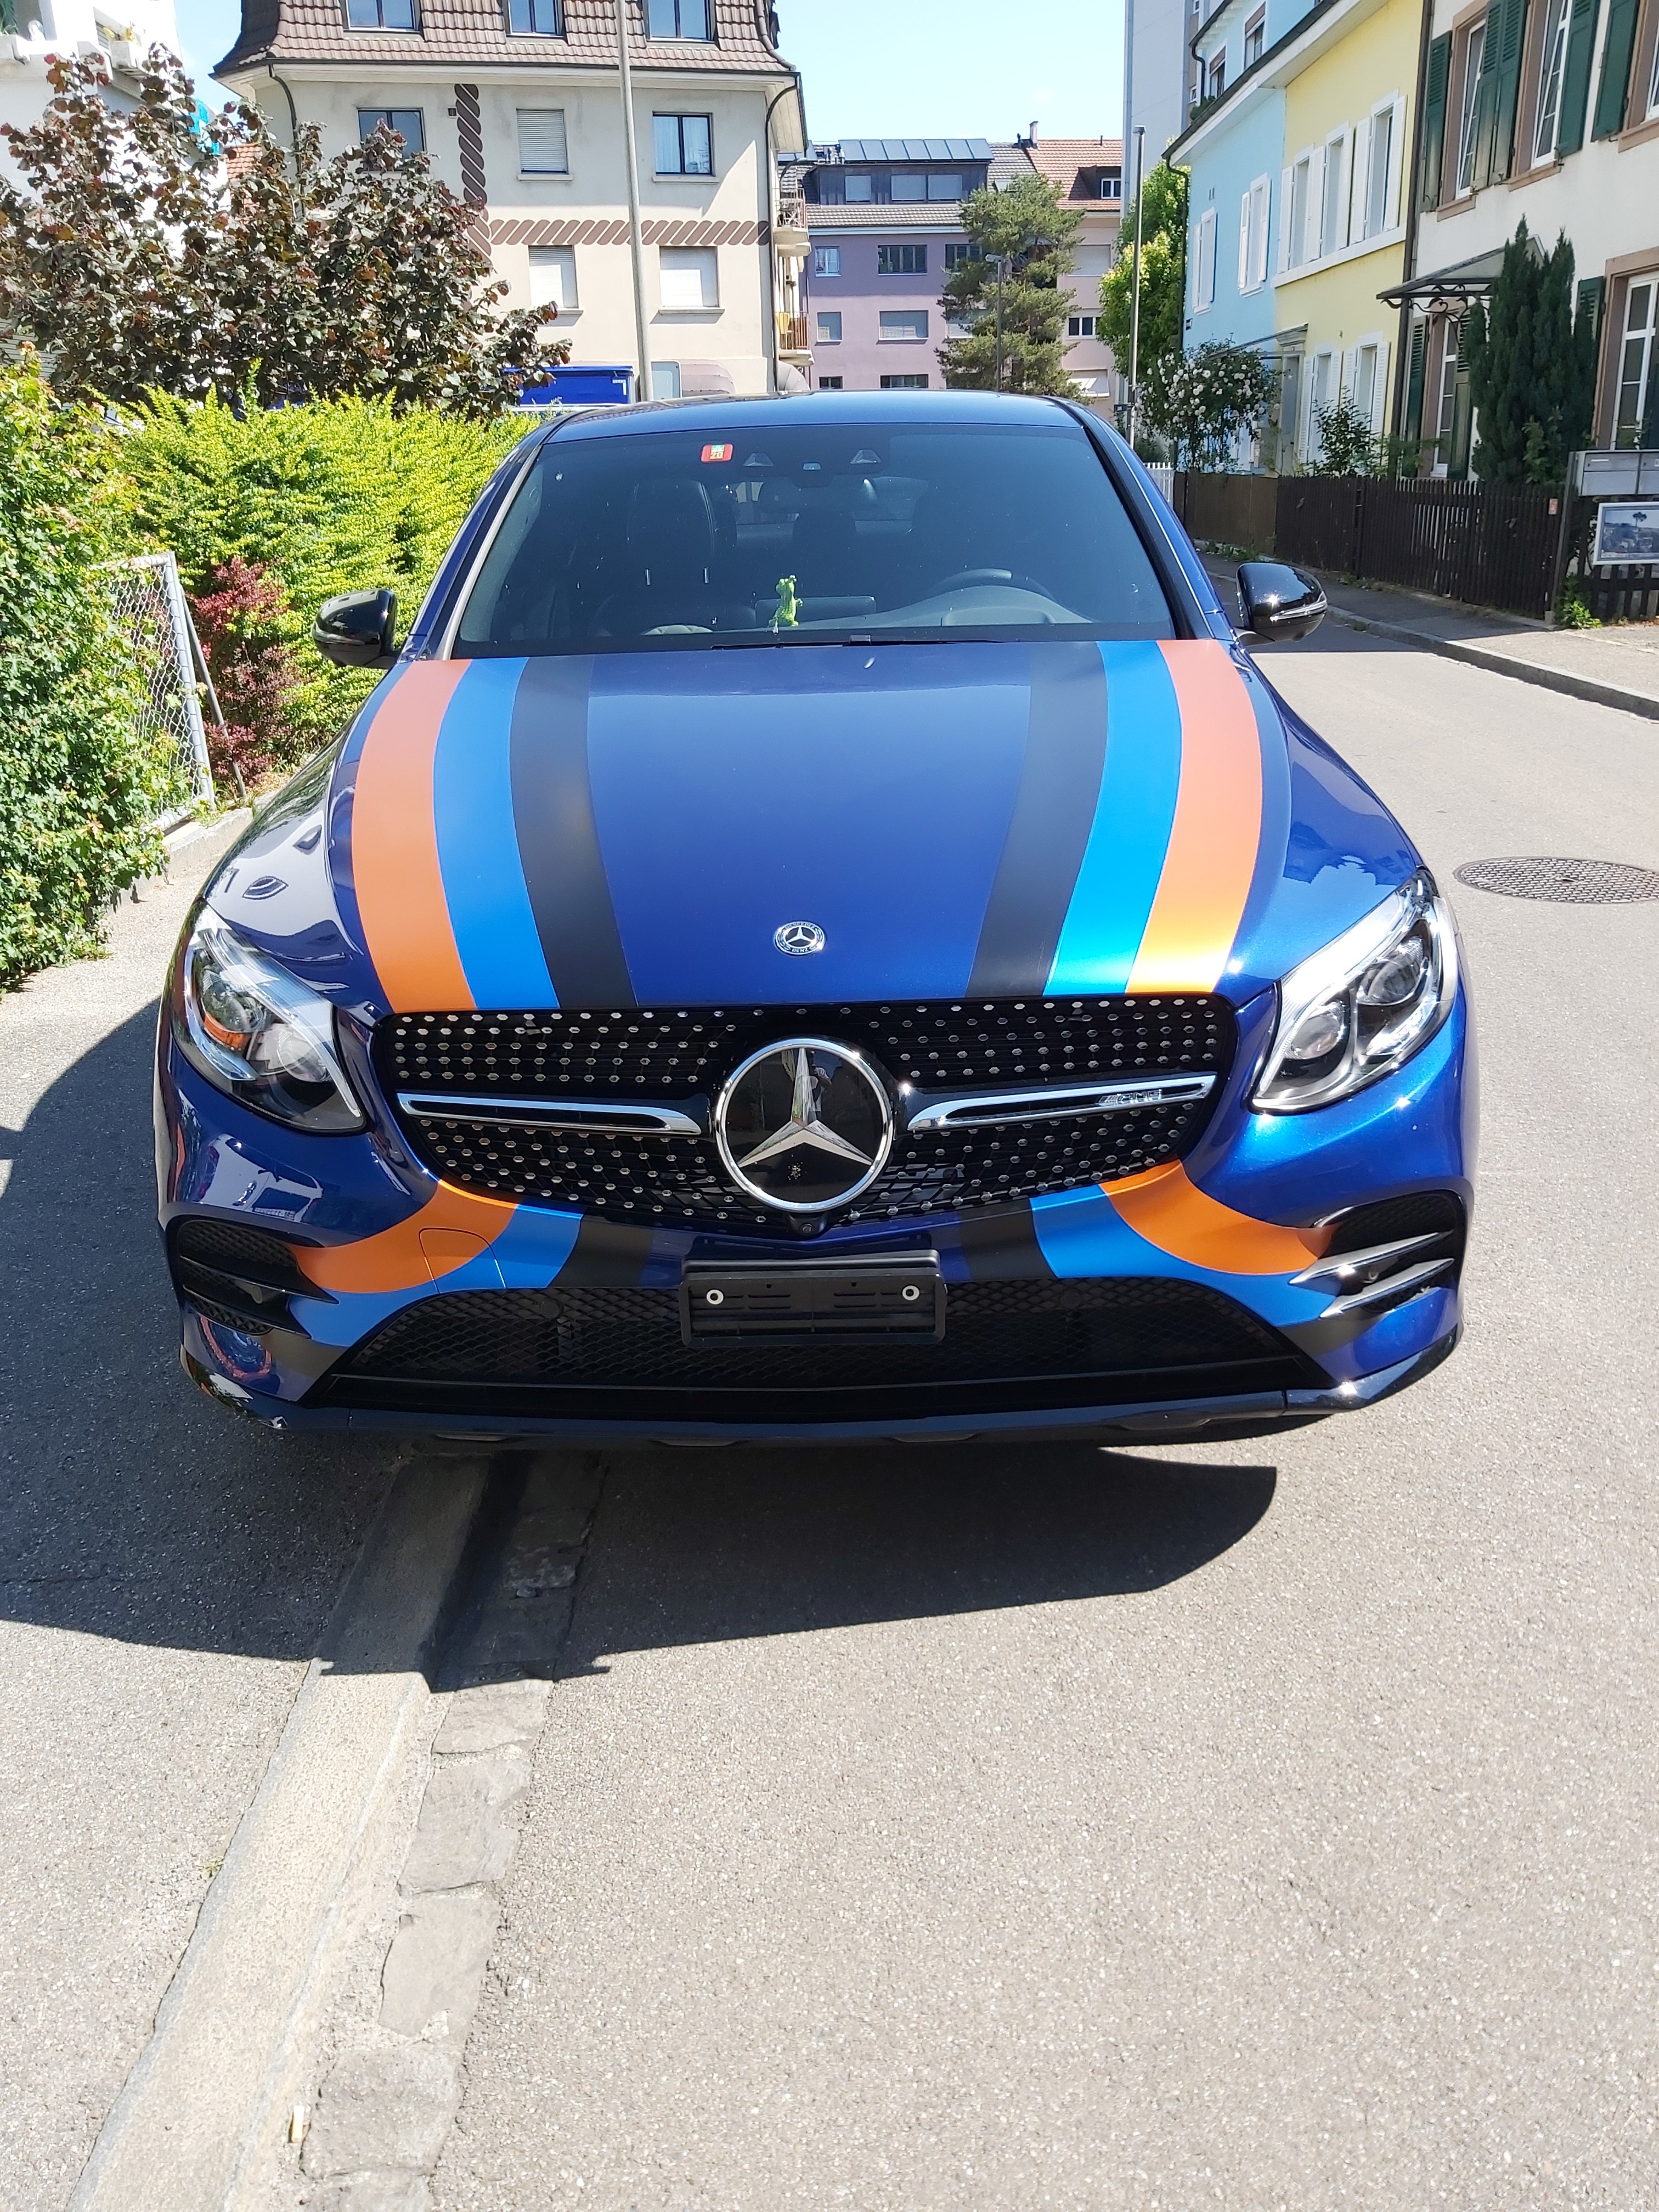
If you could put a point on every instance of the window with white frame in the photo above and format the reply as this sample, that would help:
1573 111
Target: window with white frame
1552 64
1252 215
1203 269
1635 362
690 278
680 19
553 277
1366 381
1293 213
1255 32
1321 392
1653 82
1475 51
543 150
408 123
1079 326
1378 161
826 261
1217 81
1451 348
381 15
1333 195
903 325
829 326
537 19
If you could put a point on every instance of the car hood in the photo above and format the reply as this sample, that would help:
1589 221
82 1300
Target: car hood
959 818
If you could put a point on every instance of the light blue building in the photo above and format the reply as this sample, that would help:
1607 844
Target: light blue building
1233 148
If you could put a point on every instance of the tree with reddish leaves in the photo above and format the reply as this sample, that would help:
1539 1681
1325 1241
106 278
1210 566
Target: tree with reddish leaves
255 672
148 251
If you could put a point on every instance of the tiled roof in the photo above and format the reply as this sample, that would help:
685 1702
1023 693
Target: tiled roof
472 30
1007 162
901 215
1074 164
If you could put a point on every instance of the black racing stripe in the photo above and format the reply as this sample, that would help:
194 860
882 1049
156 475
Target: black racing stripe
1053 812
1000 1246
558 840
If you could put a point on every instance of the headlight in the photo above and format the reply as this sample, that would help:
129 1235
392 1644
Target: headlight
1356 1010
258 1032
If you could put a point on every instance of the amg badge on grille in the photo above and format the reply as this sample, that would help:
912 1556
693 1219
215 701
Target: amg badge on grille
798 937
803 1125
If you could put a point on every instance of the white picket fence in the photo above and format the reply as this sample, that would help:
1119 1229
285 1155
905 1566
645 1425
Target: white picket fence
1162 475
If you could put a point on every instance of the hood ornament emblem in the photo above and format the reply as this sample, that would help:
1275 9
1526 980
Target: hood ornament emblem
803 1125
798 937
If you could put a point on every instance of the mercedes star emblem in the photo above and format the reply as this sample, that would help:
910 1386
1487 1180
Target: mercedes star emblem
798 937
803 1126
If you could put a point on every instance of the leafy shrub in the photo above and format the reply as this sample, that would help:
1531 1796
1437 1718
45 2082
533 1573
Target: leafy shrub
1347 447
319 499
255 673
79 788
1209 400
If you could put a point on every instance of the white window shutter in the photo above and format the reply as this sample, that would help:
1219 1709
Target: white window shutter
1391 211
1260 208
1313 245
542 149
1244 243
1359 194
1345 190
1350 363
1380 389
1282 260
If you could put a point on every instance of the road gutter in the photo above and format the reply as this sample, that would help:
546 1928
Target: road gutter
179 2132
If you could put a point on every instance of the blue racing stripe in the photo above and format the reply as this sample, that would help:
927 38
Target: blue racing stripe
1124 857
489 909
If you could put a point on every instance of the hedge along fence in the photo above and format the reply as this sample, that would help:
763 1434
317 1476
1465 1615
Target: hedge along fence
80 786
316 499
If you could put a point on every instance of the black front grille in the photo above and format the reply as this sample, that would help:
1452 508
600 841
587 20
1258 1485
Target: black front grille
234 1272
642 1055
618 1353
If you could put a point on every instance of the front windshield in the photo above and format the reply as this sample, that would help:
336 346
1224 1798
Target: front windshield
780 535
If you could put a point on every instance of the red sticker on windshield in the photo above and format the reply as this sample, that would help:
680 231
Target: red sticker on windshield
718 452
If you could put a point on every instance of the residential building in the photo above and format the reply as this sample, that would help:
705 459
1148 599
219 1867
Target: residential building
517 105
1297 218
36 30
885 217
1160 77
1551 111
1088 174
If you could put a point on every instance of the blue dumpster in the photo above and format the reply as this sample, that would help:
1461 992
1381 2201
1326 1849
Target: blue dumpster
582 386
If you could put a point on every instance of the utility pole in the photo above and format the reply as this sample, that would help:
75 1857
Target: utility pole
1134 309
1002 260
636 242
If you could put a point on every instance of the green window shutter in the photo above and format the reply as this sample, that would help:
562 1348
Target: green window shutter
1434 121
1414 380
1512 31
1486 95
1616 50
1592 300
1575 78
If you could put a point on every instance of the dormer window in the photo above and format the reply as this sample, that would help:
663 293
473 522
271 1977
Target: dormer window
680 19
1111 184
535 19
381 15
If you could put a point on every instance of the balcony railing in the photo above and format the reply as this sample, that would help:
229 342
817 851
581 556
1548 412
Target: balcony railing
792 334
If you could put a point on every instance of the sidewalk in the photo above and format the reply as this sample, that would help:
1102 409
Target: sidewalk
1617 666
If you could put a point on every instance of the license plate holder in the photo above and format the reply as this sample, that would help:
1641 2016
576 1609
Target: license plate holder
848 1302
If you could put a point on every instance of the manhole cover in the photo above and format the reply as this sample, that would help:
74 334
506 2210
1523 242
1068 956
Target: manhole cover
1572 882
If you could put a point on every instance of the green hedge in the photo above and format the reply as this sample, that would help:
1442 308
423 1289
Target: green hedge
326 497
78 791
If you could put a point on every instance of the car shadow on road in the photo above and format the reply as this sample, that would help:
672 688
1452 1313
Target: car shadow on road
769 1543
132 1508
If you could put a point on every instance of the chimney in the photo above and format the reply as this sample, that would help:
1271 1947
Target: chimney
1033 136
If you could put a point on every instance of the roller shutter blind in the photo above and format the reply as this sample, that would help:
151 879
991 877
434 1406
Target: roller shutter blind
1616 50
1576 75
1435 81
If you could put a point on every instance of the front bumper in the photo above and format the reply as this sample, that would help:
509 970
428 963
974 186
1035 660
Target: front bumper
383 1254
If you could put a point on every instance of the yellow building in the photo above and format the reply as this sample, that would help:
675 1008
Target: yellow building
1349 83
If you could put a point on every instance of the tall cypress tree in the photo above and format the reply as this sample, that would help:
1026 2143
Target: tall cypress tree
1531 373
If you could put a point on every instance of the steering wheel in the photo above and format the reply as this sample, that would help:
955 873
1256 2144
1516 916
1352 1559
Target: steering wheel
1020 582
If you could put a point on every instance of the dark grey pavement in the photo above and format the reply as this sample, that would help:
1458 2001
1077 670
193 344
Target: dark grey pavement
1267 1825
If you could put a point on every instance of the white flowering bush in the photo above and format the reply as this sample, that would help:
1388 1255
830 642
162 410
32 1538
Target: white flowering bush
1205 401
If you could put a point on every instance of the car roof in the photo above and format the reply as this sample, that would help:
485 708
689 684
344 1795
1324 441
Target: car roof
806 409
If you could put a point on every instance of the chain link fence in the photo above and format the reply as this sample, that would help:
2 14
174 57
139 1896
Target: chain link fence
150 607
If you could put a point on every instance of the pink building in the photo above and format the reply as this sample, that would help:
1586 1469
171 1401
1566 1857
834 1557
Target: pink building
1089 174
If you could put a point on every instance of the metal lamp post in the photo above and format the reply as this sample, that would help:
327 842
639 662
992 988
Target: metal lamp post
635 240
1134 309
1002 260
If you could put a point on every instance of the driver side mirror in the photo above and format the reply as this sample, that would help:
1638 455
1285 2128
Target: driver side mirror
1279 602
358 630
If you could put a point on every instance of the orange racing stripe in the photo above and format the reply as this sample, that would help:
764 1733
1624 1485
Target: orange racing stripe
397 1259
1166 1208
394 846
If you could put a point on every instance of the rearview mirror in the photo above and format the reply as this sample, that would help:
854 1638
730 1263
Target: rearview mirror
358 630
1277 601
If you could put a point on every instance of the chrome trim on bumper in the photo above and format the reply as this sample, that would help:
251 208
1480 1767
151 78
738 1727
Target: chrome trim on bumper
607 1119
990 1109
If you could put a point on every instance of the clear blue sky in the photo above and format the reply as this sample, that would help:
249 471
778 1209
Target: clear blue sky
889 69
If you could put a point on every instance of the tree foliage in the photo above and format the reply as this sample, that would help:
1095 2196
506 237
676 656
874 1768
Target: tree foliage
1206 401
1162 286
1030 225
1531 375
241 620
79 789
319 499
145 250
1346 446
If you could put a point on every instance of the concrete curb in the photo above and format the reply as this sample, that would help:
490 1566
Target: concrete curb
1525 671
179 2131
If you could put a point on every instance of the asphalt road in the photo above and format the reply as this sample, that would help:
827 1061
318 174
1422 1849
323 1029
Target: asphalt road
1257 1824
1261 1825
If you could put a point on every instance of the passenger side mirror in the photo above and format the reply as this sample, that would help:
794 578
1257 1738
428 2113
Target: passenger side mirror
358 630
1277 601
